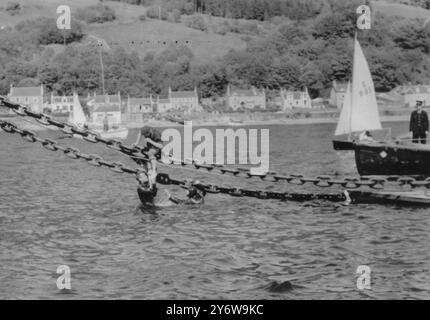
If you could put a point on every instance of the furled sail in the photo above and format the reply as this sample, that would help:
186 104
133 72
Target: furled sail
361 109
77 116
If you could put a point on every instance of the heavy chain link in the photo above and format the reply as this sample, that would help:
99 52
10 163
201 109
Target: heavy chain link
163 178
139 155
70 152
322 181
71 129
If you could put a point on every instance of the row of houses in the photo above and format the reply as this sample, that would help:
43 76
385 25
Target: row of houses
188 101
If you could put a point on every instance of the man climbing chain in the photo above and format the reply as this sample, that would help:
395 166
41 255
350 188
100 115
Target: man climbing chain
152 145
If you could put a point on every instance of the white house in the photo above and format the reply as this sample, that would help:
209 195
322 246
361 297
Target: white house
186 101
295 99
105 106
61 104
245 99
138 107
31 97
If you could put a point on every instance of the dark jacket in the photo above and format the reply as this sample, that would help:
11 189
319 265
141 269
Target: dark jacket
419 122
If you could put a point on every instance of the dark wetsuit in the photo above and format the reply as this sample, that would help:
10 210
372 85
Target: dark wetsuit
419 125
147 194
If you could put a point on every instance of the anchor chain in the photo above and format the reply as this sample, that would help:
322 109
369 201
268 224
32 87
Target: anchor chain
164 178
136 153
70 152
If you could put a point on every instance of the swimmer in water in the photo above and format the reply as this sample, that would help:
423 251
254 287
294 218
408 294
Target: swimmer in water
195 196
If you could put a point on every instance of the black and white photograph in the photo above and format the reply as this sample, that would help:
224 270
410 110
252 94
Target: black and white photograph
232 151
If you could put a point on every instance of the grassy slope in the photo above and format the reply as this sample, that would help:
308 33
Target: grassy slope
392 8
128 31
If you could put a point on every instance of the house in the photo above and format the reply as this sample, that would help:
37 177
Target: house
61 104
112 112
337 93
96 100
105 106
163 105
412 93
186 101
138 107
245 99
295 99
31 97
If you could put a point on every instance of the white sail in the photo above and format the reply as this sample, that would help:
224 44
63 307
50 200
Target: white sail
363 114
77 116
343 126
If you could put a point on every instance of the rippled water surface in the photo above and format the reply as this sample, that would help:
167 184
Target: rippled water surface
57 211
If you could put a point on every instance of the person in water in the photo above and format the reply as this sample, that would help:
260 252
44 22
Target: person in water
152 145
146 191
194 196
419 124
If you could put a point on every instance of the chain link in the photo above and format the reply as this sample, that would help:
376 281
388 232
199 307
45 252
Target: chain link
70 152
138 154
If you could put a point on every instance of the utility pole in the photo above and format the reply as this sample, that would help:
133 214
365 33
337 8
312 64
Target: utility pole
100 45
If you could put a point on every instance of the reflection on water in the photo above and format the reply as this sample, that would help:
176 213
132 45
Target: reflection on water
54 211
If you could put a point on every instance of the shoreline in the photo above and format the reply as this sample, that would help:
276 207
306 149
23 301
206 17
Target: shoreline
29 124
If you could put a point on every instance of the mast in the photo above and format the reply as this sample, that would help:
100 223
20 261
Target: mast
352 86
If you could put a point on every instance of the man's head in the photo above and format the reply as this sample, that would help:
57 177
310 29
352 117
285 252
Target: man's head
419 105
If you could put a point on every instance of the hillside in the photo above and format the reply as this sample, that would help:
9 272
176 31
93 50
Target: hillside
129 32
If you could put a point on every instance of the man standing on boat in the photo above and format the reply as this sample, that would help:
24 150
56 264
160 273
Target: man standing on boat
419 124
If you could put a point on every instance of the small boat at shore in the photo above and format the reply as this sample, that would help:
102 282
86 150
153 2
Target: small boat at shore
359 114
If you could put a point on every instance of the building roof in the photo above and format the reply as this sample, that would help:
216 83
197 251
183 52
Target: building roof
183 94
297 95
59 99
104 98
26 91
246 92
139 101
107 108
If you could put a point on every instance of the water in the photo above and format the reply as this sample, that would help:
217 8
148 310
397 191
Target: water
57 211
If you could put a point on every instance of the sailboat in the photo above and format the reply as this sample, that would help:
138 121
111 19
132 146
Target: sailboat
77 115
360 114
78 118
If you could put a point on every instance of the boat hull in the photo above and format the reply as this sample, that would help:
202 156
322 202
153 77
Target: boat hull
339 145
392 159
